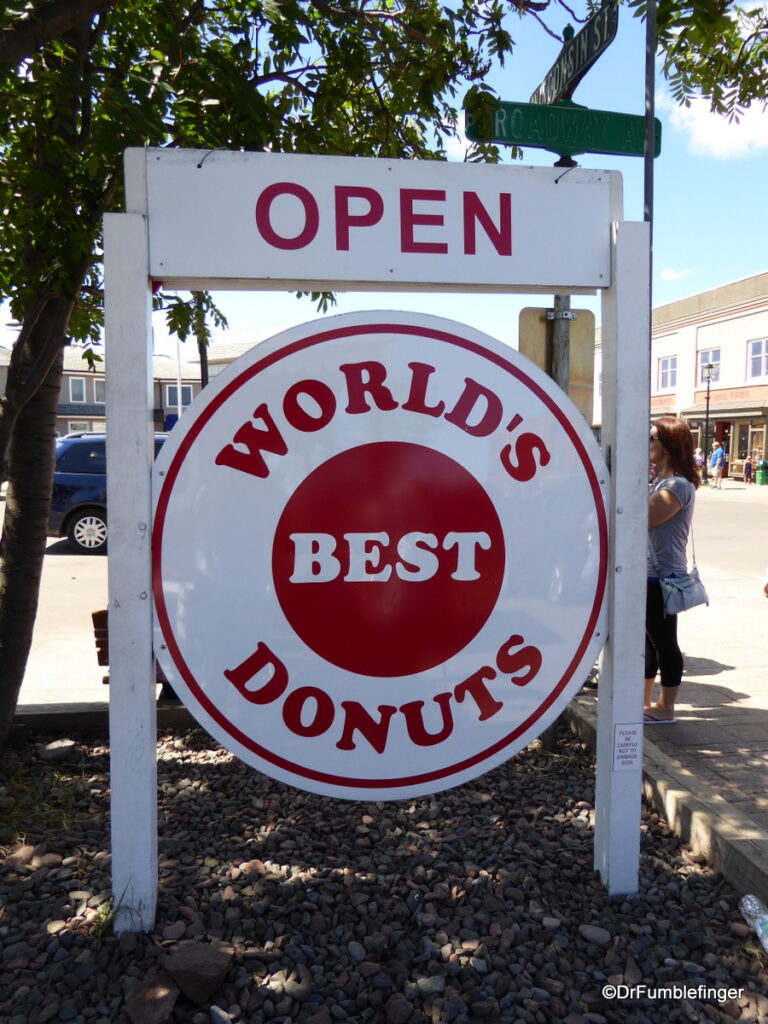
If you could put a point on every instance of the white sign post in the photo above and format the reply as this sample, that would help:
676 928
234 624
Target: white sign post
237 220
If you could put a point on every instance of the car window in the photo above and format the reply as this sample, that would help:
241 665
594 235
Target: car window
84 457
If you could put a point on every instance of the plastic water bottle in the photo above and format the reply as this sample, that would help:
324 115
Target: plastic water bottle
755 913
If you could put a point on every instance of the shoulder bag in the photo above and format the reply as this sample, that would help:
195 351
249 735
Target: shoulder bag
680 592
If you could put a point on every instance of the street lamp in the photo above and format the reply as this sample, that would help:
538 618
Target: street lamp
707 368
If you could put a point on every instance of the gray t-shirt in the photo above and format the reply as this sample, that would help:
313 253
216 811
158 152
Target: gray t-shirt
670 539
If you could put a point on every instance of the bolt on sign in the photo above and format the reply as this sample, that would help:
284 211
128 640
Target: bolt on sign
364 582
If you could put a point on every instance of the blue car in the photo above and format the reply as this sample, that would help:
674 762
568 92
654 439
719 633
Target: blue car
79 498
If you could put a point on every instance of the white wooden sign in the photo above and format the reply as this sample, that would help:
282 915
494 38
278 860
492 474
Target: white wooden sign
377 594
255 220
319 222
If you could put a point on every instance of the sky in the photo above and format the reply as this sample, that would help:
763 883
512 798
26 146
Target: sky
711 212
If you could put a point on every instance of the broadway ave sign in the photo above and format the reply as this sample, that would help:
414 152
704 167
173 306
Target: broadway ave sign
564 129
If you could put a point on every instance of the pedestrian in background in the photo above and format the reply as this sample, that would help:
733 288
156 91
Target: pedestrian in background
747 473
716 465
670 511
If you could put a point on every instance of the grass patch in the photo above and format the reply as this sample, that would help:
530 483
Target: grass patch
38 800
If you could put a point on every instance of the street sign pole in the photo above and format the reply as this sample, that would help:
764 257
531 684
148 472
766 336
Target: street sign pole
561 340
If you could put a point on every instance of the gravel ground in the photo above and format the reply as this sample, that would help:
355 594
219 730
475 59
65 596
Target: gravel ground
475 905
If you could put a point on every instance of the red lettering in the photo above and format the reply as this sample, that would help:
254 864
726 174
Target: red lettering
261 661
409 219
524 469
474 212
264 215
417 398
321 395
294 705
527 659
367 378
345 219
414 721
470 396
358 719
254 441
478 691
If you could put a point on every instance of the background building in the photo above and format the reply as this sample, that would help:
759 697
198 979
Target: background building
82 402
709 365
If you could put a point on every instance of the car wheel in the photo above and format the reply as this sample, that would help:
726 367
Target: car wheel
87 531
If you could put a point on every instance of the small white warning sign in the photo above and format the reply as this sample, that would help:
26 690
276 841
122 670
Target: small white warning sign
627 747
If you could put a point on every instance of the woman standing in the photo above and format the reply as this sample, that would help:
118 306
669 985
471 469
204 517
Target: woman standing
670 511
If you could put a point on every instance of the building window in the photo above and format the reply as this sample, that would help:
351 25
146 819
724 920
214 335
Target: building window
78 426
668 373
758 359
171 396
99 392
77 389
709 357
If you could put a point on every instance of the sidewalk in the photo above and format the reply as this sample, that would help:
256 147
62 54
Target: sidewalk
706 774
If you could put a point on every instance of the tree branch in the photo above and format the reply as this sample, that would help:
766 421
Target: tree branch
38 27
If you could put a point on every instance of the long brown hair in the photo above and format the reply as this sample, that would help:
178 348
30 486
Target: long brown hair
677 439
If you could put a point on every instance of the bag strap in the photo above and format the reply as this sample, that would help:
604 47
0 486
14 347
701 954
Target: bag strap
693 546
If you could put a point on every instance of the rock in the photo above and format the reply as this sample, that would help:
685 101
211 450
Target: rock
397 1009
20 857
174 931
431 986
445 909
57 751
46 860
299 986
593 933
153 1001
199 968
632 973
357 951
321 1017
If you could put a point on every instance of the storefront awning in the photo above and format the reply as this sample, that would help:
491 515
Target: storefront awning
737 410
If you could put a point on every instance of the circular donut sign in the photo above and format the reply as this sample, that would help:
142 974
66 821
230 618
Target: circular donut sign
379 555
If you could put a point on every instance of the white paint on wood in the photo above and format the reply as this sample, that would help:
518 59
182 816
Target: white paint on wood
130 449
313 222
626 390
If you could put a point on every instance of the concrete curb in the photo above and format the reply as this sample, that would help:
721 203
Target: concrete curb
87 719
730 840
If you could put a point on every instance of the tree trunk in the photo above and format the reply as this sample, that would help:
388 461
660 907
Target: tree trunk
30 471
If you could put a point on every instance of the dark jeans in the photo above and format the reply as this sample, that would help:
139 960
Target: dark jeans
662 652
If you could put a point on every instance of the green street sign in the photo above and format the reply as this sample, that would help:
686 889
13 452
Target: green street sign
565 129
578 55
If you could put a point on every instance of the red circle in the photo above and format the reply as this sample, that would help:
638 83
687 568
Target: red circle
388 559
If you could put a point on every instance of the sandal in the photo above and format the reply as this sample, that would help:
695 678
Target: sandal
649 719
